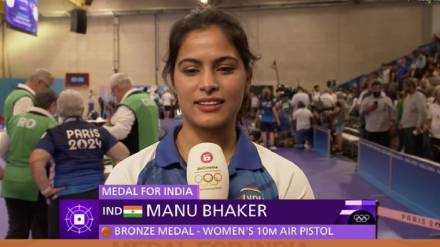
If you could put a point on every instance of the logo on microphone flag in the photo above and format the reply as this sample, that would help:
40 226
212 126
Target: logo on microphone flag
206 157
132 211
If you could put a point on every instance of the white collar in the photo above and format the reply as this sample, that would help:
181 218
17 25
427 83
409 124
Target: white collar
42 111
24 86
128 93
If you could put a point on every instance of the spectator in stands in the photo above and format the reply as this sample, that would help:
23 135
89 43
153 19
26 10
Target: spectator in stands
22 97
101 107
269 118
352 100
365 90
316 93
300 96
167 99
339 117
425 87
26 206
385 73
413 118
136 120
325 107
420 64
303 119
402 72
433 124
91 102
77 148
379 114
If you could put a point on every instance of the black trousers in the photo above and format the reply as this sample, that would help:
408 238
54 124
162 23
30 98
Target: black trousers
25 216
413 144
435 145
54 209
381 138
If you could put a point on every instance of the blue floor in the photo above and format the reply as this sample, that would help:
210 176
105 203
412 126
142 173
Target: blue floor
334 178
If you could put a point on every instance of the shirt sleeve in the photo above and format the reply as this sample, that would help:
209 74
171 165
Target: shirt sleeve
298 188
122 121
22 105
108 141
363 106
46 143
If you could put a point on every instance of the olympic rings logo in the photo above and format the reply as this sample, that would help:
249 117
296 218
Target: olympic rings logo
361 218
212 179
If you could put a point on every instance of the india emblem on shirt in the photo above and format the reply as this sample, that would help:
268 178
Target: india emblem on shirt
251 193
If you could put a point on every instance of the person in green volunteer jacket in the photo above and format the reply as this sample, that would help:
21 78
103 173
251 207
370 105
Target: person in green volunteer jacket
21 99
136 119
26 206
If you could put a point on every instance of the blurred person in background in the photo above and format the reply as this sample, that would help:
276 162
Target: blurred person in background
255 102
433 125
26 206
269 118
303 122
325 107
21 99
91 102
379 114
167 100
413 118
300 96
77 148
338 117
316 92
136 119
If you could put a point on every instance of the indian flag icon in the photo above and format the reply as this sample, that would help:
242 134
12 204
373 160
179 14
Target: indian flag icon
132 211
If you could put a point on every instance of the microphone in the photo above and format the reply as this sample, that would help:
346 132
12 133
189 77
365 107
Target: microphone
207 168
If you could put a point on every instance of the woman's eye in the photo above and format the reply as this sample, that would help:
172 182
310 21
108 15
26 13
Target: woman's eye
226 69
190 71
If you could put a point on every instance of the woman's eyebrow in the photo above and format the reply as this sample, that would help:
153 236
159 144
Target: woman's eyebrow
189 60
198 62
222 59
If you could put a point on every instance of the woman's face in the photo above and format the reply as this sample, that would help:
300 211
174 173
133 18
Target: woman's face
210 79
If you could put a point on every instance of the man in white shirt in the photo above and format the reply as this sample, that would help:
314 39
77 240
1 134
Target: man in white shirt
21 99
300 96
136 120
316 93
303 118
379 114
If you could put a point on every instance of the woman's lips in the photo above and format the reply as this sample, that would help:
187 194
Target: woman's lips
209 105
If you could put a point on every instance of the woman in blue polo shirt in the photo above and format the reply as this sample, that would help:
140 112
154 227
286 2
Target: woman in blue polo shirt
209 67
77 148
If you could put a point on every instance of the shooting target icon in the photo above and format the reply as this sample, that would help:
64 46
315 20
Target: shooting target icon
79 219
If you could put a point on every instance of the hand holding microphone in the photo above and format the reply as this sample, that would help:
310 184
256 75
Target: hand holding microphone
207 168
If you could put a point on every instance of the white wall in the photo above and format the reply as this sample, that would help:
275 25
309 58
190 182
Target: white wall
310 45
